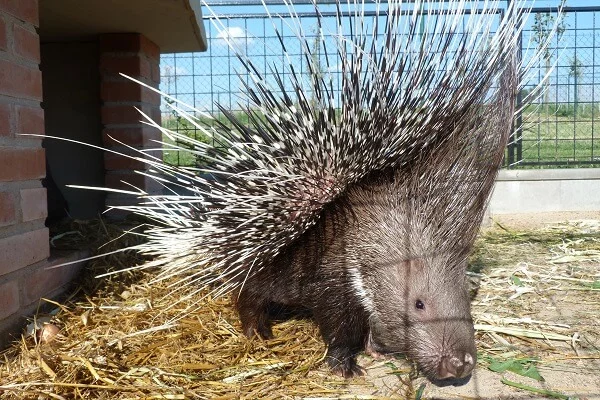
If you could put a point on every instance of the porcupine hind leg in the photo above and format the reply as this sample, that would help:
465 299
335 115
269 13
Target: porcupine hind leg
252 305
345 331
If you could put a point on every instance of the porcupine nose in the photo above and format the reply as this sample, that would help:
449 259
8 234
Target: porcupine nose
458 365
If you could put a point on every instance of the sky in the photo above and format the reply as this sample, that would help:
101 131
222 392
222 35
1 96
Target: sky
203 79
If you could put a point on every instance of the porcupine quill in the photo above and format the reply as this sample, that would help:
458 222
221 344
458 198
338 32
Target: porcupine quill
369 207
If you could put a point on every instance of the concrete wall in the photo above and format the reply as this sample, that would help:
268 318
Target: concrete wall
550 190
71 82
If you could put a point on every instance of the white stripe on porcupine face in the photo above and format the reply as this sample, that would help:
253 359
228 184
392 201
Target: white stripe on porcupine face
357 283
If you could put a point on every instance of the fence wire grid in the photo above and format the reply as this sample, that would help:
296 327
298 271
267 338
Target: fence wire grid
560 129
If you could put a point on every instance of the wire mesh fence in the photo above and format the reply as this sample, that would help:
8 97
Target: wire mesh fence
559 128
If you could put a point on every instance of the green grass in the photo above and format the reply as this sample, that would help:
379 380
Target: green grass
180 125
551 135
182 158
566 137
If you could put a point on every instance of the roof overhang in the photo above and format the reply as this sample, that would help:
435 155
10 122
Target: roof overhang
174 25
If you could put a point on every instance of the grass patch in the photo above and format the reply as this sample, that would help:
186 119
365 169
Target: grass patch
551 136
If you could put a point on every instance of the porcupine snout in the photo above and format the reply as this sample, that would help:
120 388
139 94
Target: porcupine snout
457 365
444 350
447 347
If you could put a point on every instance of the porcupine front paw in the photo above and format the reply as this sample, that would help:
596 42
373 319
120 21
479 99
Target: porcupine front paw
252 307
373 350
257 327
254 321
343 363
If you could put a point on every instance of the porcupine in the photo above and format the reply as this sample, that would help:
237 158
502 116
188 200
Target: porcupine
363 213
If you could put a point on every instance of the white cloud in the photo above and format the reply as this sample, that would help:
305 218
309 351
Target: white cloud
235 37
233 32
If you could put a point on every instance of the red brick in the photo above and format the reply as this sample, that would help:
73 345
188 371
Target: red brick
25 10
8 214
46 280
116 181
128 91
150 48
27 43
120 42
20 81
134 66
127 114
129 43
34 204
5 113
30 120
3 35
22 250
155 67
156 115
21 164
143 136
9 298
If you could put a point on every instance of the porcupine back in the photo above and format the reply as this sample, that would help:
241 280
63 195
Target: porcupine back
384 267
405 94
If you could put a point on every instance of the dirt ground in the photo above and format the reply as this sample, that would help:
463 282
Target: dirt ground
540 220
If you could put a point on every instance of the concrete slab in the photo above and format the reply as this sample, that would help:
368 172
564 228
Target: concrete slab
552 190
174 25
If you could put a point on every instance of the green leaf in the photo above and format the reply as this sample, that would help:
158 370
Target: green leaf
524 367
595 285
516 280
500 366
419 393
544 392
391 365
532 372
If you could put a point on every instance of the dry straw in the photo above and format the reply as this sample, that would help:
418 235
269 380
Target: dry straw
117 342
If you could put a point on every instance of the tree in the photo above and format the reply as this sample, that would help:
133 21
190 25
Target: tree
316 66
575 71
543 26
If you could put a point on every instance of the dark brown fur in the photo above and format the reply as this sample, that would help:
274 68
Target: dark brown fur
364 234
384 267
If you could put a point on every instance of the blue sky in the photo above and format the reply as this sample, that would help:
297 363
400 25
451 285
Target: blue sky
205 78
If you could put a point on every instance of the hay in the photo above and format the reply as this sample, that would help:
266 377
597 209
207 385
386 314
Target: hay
123 338
126 340
519 312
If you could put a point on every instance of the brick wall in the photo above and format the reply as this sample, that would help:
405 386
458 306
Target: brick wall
25 257
24 244
135 55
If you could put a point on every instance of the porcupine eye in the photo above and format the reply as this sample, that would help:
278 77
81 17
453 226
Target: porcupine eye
420 305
